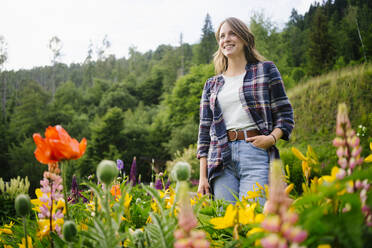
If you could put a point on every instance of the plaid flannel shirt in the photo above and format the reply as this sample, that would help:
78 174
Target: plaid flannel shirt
262 95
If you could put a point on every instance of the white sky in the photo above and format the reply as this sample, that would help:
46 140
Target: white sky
28 25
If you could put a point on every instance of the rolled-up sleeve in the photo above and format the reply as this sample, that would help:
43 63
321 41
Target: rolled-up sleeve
205 123
281 108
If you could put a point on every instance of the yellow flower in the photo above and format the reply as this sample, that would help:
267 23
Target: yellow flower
7 228
36 202
23 244
331 178
228 220
246 215
259 218
154 206
197 198
44 226
314 184
83 227
255 230
369 158
128 199
260 186
306 169
6 231
298 154
324 246
289 188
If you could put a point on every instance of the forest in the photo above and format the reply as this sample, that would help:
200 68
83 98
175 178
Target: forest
147 104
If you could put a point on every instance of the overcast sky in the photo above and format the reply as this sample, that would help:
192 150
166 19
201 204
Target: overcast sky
28 25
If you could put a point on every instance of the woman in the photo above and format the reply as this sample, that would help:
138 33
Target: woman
244 110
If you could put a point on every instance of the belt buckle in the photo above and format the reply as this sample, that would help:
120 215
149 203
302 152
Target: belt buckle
236 135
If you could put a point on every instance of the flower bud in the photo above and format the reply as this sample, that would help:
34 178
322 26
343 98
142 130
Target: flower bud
341 174
200 243
354 141
358 184
107 171
343 163
197 234
352 163
340 151
271 241
181 171
291 217
22 204
339 131
338 142
179 234
182 243
297 235
271 223
356 151
69 230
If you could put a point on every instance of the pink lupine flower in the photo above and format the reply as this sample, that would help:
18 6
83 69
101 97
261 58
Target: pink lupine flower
185 236
271 223
281 221
348 141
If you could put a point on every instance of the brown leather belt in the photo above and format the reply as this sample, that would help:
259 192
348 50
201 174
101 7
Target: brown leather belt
239 135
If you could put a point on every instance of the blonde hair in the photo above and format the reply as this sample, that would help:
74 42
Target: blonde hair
242 31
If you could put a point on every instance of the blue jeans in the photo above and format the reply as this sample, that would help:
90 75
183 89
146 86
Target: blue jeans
249 164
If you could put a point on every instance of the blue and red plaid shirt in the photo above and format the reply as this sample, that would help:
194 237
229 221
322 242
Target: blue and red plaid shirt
262 96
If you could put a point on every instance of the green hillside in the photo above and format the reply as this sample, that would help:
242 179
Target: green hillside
315 106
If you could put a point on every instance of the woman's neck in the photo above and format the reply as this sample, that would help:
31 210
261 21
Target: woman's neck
236 66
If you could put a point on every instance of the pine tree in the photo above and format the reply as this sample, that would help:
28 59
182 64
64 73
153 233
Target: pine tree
321 50
208 44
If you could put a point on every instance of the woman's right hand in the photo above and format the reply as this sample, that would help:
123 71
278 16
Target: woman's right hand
203 179
203 187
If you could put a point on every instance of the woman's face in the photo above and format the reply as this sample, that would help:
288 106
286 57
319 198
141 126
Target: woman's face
230 44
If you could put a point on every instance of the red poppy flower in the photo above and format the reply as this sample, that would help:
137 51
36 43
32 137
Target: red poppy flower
57 145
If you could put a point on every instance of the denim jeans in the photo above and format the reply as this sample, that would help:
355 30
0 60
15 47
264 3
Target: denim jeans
249 164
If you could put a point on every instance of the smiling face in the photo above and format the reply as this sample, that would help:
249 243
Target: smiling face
230 44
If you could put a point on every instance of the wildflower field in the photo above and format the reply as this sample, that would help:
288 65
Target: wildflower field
114 210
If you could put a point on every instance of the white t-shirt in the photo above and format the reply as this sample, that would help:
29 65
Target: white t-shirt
232 110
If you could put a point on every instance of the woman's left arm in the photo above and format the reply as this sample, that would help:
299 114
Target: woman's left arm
281 108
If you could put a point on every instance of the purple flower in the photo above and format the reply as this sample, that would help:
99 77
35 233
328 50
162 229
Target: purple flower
167 184
133 172
158 184
74 185
120 164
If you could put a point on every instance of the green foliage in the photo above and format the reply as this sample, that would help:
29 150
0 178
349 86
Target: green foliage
184 101
187 155
321 50
160 232
30 111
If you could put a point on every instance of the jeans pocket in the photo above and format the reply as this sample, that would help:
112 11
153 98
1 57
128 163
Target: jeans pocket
258 148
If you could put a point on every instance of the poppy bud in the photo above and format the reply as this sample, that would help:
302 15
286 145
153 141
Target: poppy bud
107 171
181 171
22 204
69 231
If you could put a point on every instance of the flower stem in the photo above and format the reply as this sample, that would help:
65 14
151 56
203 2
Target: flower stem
107 191
51 213
25 230
64 165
